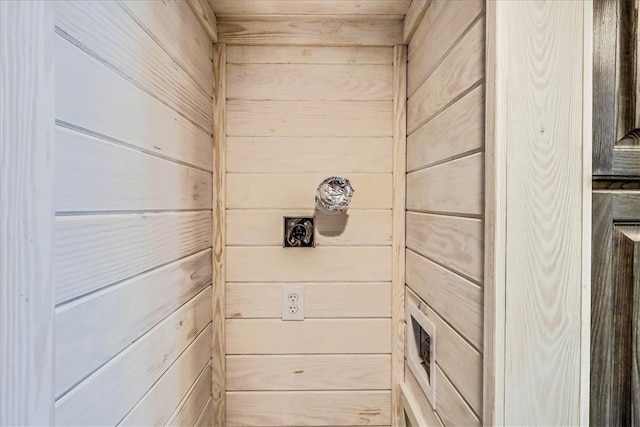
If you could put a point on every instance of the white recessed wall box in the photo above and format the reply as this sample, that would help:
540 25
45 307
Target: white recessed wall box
421 349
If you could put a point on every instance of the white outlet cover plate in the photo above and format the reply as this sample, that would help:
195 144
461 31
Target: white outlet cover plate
287 291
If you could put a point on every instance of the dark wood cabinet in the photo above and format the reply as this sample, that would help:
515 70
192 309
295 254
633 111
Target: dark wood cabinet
615 295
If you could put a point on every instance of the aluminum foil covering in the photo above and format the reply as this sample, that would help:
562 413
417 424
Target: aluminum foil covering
333 195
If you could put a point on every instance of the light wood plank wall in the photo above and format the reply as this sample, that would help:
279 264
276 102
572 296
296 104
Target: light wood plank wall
133 199
26 213
445 200
296 115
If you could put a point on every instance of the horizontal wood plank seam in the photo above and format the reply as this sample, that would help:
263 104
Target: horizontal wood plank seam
175 60
446 106
447 213
446 267
444 319
450 269
125 145
448 159
69 214
120 73
445 55
464 398
92 293
92 372
69 304
70 126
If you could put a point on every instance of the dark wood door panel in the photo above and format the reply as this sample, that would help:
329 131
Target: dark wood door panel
615 302
616 83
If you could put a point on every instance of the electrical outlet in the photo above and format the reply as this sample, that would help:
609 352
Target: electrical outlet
292 303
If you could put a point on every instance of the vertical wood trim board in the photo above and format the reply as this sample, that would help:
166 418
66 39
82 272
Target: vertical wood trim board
537 240
26 213
398 234
219 233
587 213
495 213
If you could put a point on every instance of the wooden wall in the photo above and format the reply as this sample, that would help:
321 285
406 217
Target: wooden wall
296 115
26 213
133 198
445 201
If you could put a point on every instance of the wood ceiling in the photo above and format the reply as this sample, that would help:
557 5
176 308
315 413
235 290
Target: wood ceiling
246 8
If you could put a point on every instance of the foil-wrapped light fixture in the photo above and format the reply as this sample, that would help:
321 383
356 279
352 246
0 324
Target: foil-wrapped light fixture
333 195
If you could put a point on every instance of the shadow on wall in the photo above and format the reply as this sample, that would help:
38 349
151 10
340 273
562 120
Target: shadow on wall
330 225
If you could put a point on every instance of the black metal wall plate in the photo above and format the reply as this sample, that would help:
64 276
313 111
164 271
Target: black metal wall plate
299 232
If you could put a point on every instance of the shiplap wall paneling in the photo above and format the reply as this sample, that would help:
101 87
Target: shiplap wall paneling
297 115
26 213
133 198
538 213
445 199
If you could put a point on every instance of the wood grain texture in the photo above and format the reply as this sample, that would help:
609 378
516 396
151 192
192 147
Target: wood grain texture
616 115
138 304
111 392
311 30
495 224
626 161
310 7
271 264
308 408
454 242
94 251
544 191
265 227
341 82
451 407
440 29
614 346
452 187
455 299
462 68
309 118
264 300
207 18
308 55
457 131
297 191
308 372
422 407
456 357
413 18
275 154
312 336
26 213
105 31
219 234
206 416
399 226
93 101
175 27
157 406
188 411
96 175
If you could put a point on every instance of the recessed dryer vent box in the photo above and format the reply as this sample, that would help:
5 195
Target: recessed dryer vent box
421 350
